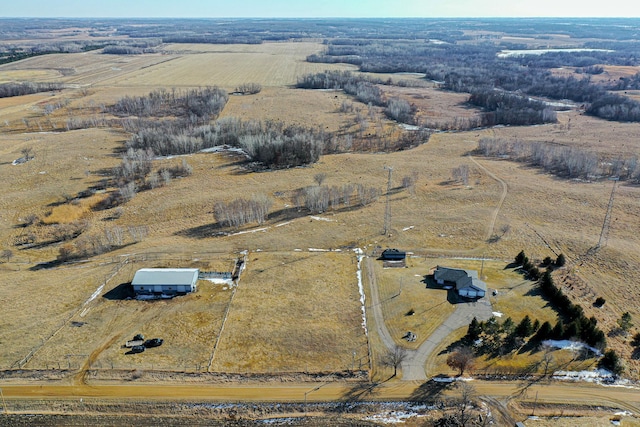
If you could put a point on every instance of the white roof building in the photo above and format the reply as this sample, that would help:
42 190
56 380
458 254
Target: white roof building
168 281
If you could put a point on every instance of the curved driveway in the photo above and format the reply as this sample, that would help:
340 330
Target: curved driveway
415 360
413 364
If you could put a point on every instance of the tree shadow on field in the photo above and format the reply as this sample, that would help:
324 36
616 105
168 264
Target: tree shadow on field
121 292
430 391
217 229
360 391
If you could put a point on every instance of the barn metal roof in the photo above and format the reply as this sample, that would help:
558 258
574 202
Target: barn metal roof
165 276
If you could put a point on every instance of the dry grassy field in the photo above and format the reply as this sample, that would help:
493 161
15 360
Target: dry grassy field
294 310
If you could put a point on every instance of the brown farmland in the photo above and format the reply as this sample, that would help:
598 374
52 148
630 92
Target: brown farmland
297 306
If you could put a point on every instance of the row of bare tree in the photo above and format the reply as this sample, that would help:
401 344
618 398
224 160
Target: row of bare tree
18 89
203 104
570 162
322 197
241 211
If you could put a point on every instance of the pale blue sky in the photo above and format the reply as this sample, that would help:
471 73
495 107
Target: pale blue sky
319 8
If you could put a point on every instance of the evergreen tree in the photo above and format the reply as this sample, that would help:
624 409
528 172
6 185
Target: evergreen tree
558 330
560 261
625 322
474 330
543 333
611 362
536 325
524 328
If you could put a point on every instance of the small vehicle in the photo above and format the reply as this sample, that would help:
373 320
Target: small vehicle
153 342
138 339
137 349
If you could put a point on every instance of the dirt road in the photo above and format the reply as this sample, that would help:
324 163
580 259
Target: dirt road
619 398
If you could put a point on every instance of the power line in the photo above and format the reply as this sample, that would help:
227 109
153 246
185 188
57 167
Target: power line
604 233
387 210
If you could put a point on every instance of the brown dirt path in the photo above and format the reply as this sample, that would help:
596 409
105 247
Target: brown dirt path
548 393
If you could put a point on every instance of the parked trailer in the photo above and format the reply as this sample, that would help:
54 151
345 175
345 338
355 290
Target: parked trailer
133 343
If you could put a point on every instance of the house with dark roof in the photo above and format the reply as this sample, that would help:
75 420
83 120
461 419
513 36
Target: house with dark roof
465 282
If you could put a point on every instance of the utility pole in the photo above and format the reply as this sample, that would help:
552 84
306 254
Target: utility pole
604 234
387 210
4 404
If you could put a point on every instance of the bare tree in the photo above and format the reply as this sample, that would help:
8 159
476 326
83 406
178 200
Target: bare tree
6 254
465 402
138 233
462 359
27 153
319 178
461 174
393 358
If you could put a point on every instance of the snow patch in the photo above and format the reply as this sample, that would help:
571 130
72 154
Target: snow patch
280 421
219 281
403 412
249 231
393 417
409 127
283 224
497 313
408 228
570 345
94 295
360 255
225 149
319 218
318 250
595 376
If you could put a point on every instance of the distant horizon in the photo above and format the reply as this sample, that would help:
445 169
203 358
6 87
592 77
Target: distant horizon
311 18
317 9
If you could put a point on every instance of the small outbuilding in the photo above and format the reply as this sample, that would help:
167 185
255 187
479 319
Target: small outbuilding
393 255
165 281
466 282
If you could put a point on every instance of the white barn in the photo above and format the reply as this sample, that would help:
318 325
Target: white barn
165 281
466 282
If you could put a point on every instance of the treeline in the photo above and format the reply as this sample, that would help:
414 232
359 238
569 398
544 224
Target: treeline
476 67
243 211
569 162
19 89
214 39
364 89
12 52
135 173
314 199
615 107
196 105
96 244
499 338
322 198
511 109
270 143
575 325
